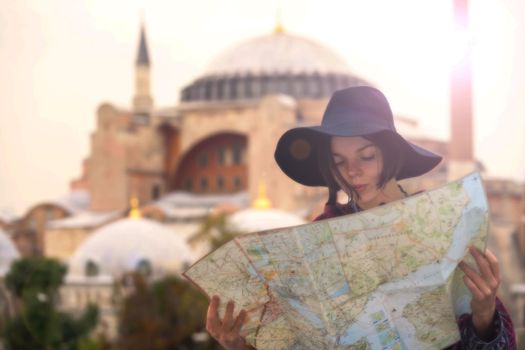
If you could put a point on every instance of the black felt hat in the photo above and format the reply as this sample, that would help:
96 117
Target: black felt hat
356 111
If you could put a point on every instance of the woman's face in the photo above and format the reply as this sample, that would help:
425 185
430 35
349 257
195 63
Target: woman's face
360 163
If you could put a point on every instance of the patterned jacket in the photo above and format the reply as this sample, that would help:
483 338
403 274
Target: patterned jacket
502 327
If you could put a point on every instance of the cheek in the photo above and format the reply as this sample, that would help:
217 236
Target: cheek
372 169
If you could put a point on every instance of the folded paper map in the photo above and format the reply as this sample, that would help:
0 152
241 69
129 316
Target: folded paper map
384 278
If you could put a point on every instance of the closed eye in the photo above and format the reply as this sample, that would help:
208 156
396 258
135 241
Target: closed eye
368 158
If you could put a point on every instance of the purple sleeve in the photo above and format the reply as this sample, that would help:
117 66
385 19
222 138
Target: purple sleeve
503 330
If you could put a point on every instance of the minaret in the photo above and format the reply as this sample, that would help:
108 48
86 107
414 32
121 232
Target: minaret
142 101
461 159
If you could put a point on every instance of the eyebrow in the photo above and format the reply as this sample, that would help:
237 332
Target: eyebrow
358 150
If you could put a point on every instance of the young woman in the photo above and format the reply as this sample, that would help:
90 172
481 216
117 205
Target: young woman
356 149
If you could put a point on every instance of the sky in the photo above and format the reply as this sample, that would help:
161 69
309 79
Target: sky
61 59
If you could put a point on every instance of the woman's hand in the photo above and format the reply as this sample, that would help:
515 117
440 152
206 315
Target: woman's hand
226 331
483 286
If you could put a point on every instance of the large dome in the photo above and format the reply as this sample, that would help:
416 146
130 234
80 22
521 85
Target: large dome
278 54
130 244
275 63
8 253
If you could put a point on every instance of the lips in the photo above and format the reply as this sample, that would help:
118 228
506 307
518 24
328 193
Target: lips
359 188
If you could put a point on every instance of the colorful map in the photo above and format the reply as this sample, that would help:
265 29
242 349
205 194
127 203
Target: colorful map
385 278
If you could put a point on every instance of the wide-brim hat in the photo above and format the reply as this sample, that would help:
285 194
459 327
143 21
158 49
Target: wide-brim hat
355 111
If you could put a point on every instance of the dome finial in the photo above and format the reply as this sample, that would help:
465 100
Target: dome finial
134 212
279 29
262 201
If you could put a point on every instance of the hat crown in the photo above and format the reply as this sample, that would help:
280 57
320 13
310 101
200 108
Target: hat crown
357 107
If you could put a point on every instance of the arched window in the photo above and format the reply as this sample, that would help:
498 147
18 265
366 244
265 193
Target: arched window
255 87
332 84
265 86
155 192
203 160
204 184
235 87
188 185
282 85
144 267
207 90
237 183
220 183
247 87
221 156
237 153
220 89
297 88
91 268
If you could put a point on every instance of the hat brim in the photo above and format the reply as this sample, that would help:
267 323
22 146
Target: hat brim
296 153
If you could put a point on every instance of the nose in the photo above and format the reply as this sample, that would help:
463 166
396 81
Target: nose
353 169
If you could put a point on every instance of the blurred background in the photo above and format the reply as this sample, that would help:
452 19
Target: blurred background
137 136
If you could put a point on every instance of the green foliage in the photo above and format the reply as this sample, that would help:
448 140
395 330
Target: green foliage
39 325
163 316
216 229
35 275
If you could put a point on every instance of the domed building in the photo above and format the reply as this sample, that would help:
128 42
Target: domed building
220 137
129 245
105 259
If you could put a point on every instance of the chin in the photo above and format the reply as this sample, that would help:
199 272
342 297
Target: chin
367 198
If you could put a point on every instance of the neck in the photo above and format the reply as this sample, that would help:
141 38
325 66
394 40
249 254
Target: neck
389 193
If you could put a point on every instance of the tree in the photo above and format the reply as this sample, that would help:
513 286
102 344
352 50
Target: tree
216 229
163 315
38 323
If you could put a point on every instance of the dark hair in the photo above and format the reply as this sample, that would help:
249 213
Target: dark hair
391 151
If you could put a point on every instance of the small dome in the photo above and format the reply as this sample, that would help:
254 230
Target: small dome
252 220
278 63
130 244
8 253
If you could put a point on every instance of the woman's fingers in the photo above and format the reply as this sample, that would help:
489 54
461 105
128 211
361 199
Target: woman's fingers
227 330
476 293
475 278
213 323
227 322
484 266
494 263
239 321
483 286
